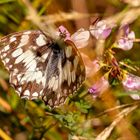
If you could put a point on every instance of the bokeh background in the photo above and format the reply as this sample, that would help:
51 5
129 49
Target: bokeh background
114 115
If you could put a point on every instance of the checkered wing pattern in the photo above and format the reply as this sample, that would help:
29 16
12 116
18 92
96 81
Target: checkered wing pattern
40 67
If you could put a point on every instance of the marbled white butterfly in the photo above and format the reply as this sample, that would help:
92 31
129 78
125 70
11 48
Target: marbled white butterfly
41 67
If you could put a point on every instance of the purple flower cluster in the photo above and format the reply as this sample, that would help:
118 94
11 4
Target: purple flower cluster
101 30
131 83
125 42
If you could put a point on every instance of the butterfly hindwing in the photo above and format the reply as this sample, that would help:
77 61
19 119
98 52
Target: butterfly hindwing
41 67
66 74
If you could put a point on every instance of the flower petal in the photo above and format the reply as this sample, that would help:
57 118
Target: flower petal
64 32
101 85
126 40
100 30
131 82
80 38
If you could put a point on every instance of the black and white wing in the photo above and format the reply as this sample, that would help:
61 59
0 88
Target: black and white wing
41 67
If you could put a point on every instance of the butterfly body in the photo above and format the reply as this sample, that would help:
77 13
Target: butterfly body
41 67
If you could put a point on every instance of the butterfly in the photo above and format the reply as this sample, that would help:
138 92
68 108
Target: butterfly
41 67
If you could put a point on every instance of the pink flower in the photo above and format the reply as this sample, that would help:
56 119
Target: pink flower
100 86
81 38
132 83
101 30
126 41
64 33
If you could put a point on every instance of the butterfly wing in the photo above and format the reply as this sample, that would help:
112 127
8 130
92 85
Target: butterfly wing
39 67
18 53
65 74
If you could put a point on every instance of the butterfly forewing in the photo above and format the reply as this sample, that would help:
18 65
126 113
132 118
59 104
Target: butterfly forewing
41 67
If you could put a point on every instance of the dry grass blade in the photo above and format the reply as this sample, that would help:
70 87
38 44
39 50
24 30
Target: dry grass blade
125 16
117 107
4 136
107 131
3 84
5 105
62 16
33 16
78 138
46 23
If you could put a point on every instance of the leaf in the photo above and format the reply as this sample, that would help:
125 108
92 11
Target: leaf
83 106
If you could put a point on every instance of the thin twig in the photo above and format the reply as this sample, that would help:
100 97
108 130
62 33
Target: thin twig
117 107
107 131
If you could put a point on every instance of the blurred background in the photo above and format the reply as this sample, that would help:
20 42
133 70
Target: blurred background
114 115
